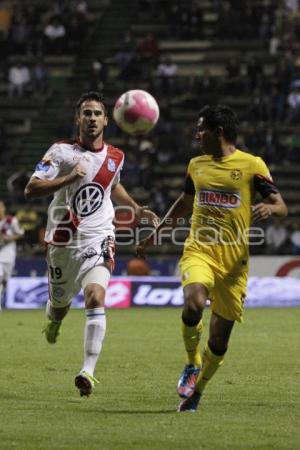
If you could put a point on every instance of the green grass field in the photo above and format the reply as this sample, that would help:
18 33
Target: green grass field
252 403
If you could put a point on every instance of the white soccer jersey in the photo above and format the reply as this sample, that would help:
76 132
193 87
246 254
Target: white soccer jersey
9 226
81 213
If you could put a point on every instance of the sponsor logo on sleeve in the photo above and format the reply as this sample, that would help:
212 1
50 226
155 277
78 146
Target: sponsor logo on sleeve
43 166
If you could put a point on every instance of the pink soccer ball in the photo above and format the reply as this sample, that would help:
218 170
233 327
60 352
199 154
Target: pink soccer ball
136 112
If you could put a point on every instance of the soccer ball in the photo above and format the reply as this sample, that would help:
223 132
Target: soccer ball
136 112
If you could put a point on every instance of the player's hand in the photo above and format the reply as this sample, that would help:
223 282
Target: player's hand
261 211
143 212
141 247
6 238
77 172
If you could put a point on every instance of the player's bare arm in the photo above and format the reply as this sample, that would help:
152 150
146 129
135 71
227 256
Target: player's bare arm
273 205
182 207
40 188
121 197
15 237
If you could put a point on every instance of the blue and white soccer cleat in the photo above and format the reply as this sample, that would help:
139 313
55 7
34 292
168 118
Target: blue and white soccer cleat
190 404
187 381
85 383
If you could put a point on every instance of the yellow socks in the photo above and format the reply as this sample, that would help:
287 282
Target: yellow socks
191 337
210 365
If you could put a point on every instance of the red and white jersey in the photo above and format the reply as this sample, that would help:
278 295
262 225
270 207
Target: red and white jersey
81 213
9 226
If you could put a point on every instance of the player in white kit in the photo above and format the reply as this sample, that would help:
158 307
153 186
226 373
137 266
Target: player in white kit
10 232
84 175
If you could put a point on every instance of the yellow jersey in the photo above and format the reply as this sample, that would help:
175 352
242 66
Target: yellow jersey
224 191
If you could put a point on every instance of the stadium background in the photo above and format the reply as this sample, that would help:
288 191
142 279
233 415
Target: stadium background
187 54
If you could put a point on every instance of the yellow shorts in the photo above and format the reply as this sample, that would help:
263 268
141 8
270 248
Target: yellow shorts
226 292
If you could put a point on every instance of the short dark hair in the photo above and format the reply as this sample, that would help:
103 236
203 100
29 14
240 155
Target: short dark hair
221 116
91 95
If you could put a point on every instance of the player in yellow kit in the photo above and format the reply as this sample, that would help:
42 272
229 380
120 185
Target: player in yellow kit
220 192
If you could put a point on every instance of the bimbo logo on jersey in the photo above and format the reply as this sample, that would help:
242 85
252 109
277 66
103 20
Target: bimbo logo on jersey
219 198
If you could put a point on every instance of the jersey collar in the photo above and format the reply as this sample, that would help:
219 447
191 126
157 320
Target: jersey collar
93 150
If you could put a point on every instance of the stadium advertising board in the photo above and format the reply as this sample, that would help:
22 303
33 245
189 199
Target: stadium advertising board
262 292
157 291
31 293
274 266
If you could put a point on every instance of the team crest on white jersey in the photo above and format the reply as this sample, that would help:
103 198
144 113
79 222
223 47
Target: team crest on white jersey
111 165
88 199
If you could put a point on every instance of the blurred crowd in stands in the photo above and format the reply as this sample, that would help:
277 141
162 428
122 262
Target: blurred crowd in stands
29 31
273 109
28 28
270 81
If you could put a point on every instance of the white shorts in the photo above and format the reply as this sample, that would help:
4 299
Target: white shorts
69 270
6 270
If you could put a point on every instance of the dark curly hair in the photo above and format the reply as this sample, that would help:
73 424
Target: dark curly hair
91 95
221 116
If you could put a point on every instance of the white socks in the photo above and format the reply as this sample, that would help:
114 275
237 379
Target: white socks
94 333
